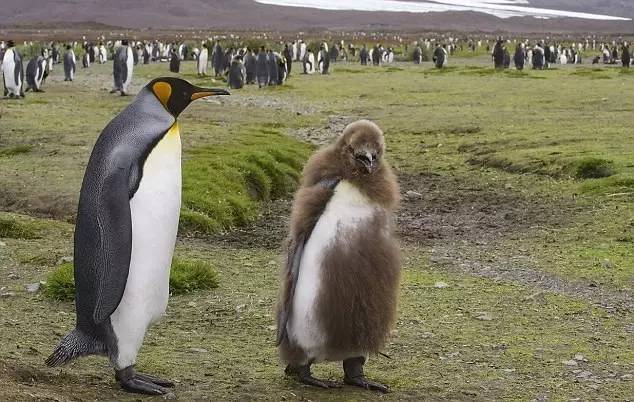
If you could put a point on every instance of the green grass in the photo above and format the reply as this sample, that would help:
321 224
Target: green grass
185 276
223 185
16 227
16 150
464 130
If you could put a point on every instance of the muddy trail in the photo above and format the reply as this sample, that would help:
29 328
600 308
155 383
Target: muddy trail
463 226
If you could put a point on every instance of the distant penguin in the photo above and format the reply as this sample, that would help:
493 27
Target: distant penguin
175 62
69 64
237 74
272 68
217 59
323 61
85 59
262 68
282 68
295 51
250 67
36 73
181 51
309 63
201 62
364 56
519 57
418 55
375 55
341 278
287 53
12 72
302 51
125 231
122 69
103 54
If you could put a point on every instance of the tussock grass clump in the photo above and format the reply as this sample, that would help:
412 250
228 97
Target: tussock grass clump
223 184
592 168
190 275
185 276
14 228
16 150
60 284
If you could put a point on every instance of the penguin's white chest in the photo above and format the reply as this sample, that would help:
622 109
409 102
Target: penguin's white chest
346 211
8 69
154 209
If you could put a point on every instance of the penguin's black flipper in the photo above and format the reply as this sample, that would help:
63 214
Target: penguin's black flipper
115 232
293 262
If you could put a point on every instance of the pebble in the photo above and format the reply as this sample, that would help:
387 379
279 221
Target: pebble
570 363
192 304
13 275
33 287
580 358
413 194
484 317
627 377
441 285
169 395
198 350
64 260
2 244
584 374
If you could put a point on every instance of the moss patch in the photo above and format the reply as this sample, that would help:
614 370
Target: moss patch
592 168
16 150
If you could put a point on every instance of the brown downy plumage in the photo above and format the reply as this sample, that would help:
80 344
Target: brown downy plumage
356 303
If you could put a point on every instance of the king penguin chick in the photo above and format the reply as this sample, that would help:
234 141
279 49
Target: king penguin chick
340 282
125 231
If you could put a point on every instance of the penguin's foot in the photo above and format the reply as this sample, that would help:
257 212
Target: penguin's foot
114 90
367 384
353 369
306 377
140 383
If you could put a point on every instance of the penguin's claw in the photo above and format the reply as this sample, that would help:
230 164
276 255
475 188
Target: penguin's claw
305 377
140 383
137 385
367 384
155 380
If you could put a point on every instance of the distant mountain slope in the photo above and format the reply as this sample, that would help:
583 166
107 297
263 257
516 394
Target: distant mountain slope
247 14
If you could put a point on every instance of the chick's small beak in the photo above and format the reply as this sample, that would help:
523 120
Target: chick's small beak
368 160
205 92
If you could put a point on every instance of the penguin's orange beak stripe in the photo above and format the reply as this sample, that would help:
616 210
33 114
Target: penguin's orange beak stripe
199 95
163 91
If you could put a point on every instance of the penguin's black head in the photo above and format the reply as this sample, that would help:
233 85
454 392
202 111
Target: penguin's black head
176 94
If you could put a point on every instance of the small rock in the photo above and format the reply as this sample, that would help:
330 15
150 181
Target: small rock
271 327
169 395
440 285
192 304
508 370
627 377
33 287
484 316
240 307
5 293
413 194
584 375
580 358
198 350
13 275
607 264
570 363
272 263
65 260
2 244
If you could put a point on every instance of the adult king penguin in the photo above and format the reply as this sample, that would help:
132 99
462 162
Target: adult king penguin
340 283
122 67
13 72
125 232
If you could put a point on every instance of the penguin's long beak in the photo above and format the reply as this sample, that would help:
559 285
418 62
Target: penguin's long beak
205 92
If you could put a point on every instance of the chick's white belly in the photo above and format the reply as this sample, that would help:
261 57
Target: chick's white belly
155 210
344 213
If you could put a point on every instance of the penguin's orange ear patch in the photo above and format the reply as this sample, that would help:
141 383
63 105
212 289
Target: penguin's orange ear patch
163 91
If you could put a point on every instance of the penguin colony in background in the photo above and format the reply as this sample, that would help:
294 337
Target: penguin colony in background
339 294
125 232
